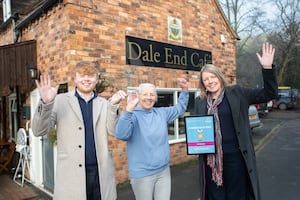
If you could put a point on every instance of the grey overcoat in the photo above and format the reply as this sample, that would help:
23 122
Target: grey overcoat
65 113
239 99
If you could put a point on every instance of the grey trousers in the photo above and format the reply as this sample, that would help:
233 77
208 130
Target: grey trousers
156 186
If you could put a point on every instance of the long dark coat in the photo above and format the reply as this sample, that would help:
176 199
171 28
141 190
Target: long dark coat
239 99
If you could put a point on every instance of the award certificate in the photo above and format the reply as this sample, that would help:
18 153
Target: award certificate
200 134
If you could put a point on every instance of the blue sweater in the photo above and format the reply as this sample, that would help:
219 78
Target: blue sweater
146 136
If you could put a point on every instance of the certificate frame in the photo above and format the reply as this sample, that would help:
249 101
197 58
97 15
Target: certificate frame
200 134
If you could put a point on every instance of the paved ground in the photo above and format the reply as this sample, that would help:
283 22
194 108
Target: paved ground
278 162
9 190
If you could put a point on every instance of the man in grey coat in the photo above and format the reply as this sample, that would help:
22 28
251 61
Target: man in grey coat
82 120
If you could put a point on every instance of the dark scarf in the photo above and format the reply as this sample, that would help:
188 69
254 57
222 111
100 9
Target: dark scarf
215 161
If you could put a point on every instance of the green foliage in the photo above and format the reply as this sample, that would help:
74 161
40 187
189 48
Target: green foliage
103 83
52 137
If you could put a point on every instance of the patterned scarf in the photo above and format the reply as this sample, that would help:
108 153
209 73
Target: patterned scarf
215 161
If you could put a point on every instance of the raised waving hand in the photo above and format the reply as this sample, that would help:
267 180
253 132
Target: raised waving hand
266 59
183 83
47 93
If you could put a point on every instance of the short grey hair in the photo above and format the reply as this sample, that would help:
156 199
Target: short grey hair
142 86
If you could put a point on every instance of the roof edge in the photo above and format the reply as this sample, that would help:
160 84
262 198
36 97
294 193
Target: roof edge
226 20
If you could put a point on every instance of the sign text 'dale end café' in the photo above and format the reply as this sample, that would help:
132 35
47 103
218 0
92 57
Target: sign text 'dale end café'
143 52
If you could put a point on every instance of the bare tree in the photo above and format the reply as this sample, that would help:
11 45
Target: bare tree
244 17
286 37
291 75
252 23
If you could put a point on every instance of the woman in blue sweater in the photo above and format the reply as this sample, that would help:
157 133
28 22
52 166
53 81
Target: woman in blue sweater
145 130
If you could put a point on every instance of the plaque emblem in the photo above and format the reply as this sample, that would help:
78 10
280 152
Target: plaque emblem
174 29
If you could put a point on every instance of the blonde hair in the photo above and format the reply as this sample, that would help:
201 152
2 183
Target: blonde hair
142 86
214 70
87 68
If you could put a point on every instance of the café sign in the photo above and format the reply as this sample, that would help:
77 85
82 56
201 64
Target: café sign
143 52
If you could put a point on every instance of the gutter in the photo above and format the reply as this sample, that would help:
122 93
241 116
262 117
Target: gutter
235 35
34 15
13 17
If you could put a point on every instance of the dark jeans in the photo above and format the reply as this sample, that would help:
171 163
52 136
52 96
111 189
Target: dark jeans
92 183
235 181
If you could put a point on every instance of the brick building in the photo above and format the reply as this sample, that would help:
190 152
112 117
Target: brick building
134 41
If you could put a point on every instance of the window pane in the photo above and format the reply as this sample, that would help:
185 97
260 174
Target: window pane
284 93
165 99
188 112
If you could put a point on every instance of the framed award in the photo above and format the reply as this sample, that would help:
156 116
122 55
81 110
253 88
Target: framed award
200 134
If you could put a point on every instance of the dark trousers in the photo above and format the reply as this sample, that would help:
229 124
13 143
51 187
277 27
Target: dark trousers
92 183
235 181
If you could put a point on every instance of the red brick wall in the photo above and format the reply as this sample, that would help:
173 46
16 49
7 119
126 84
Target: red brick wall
83 30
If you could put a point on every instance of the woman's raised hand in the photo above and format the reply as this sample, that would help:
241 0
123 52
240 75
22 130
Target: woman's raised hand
132 100
266 59
183 83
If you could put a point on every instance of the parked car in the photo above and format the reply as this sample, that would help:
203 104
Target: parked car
262 109
286 98
270 105
253 117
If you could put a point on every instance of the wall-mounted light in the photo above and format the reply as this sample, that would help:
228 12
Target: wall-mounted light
33 72
223 39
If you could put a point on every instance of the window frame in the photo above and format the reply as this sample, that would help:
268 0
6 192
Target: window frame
13 126
6 6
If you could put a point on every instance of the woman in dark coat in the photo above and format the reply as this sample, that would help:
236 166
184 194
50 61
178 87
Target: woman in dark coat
230 173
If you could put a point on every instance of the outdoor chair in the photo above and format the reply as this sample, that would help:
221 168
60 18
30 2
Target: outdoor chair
23 149
6 157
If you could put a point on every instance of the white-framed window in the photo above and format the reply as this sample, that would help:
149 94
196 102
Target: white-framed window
169 97
13 124
6 5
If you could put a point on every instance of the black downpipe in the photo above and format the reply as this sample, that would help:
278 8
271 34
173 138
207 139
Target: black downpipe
18 107
3 117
